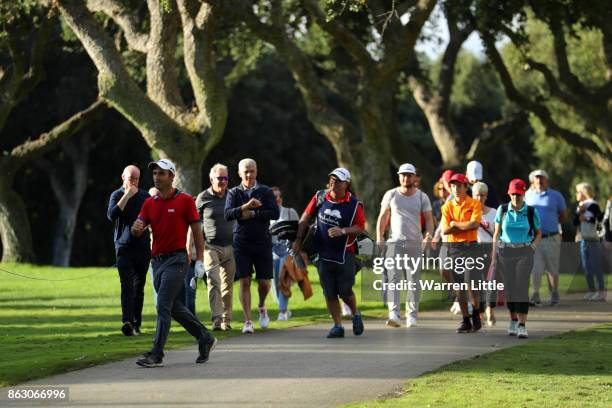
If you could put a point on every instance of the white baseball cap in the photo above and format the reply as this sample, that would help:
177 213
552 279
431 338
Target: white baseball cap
342 174
536 173
163 164
406 168
474 171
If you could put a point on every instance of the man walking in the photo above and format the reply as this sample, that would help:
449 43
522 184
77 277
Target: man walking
401 208
170 214
551 209
461 217
339 219
133 253
218 234
253 206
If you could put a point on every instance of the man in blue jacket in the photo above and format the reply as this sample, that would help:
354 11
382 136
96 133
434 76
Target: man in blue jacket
252 205
133 253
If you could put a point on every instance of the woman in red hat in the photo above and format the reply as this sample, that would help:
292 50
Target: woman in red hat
517 234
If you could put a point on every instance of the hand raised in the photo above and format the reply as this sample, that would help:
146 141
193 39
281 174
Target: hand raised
254 203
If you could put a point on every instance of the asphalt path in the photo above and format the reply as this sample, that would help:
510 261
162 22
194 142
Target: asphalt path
299 367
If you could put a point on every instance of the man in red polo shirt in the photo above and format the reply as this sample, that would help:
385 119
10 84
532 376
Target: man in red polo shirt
339 220
170 213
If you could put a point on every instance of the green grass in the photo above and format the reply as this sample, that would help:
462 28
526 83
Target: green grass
572 369
53 327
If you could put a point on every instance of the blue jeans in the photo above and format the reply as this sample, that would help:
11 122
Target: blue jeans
279 254
591 257
169 280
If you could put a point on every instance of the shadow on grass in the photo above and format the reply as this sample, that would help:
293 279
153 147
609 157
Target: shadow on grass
585 352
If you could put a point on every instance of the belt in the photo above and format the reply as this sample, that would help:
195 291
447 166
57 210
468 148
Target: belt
509 245
166 255
552 234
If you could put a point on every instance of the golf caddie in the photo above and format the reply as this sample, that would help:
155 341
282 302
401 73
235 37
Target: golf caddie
170 213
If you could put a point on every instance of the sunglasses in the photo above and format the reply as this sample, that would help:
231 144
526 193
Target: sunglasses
222 178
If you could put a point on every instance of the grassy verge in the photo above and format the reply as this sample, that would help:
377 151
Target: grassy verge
572 369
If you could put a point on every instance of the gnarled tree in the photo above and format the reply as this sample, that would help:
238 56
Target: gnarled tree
347 70
571 107
26 31
179 129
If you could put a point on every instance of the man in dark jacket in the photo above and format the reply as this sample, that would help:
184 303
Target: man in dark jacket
252 205
133 253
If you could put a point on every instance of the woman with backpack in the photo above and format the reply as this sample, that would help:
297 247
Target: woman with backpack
586 216
517 234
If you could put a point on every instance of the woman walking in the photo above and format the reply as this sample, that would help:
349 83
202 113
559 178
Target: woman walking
586 217
517 234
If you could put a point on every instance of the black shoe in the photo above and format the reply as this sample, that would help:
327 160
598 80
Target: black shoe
206 348
464 327
127 329
150 361
357 325
476 323
336 332
136 330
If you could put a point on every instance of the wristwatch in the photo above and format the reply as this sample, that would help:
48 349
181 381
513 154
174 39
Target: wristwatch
343 231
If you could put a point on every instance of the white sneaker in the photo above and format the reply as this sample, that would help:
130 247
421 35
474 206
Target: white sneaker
522 332
598 297
455 308
393 321
490 317
264 320
512 329
589 296
346 311
248 327
284 316
411 321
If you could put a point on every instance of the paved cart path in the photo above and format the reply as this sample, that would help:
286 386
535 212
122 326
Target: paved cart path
299 367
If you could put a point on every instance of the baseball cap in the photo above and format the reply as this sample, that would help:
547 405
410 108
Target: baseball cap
459 178
474 171
536 173
517 186
163 164
406 168
446 176
342 174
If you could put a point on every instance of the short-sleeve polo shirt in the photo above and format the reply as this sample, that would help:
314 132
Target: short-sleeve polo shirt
515 228
549 204
169 219
467 210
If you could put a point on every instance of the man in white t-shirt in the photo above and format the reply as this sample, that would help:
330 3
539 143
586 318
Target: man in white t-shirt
401 209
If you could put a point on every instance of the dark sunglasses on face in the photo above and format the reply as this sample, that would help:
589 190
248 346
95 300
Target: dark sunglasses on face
221 178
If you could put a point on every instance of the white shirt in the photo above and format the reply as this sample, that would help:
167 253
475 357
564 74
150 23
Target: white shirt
405 214
488 220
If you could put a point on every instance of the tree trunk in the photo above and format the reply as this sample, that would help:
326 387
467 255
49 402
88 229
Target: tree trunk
69 190
188 168
64 234
14 224
374 155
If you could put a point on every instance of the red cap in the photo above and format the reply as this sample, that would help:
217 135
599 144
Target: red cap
517 186
460 178
447 175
